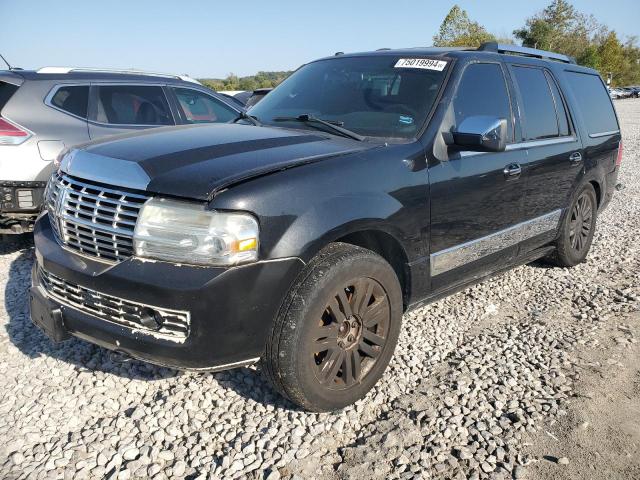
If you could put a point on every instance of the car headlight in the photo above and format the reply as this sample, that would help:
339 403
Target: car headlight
184 232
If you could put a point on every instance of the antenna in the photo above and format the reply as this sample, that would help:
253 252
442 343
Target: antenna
5 61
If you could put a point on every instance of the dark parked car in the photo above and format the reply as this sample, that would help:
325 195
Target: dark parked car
251 97
45 111
363 186
256 96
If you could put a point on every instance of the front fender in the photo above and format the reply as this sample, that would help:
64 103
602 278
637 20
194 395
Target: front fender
336 217
302 209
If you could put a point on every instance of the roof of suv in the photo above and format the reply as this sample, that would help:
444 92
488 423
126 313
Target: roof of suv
71 73
486 49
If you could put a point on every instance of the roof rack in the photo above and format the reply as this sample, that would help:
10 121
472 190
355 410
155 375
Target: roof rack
63 70
525 52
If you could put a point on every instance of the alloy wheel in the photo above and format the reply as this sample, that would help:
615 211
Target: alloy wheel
580 223
351 333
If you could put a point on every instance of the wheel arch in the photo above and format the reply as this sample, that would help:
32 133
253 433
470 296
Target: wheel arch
598 189
380 240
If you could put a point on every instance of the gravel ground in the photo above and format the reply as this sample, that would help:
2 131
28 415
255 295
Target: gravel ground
475 376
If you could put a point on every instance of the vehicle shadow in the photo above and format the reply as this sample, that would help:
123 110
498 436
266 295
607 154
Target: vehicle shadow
542 263
32 342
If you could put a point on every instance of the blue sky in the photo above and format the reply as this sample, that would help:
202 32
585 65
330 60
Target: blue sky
203 39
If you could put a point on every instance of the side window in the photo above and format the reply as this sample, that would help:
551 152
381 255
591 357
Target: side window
132 105
539 112
561 111
593 102
198 107
72 99
483 91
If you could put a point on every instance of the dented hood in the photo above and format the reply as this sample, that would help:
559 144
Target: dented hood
196 161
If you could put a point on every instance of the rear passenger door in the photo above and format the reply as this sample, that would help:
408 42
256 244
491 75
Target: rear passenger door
122 108
554 158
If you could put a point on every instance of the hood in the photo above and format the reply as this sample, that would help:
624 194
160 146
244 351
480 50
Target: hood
196 161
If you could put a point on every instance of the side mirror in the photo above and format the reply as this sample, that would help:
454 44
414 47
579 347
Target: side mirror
480 133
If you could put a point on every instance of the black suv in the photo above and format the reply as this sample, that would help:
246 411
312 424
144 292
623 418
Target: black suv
363 186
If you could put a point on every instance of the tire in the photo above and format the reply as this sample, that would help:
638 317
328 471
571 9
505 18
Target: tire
573 246
336 330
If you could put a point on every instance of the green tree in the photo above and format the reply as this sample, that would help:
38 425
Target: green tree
458 30
562 28
233 82
610 53
559 27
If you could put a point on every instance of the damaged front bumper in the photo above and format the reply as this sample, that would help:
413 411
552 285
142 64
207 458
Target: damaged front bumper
187 317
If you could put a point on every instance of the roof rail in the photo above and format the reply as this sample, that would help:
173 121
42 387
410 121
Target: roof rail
525 51
63 70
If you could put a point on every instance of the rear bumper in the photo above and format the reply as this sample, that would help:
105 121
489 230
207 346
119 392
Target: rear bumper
20 202
231 310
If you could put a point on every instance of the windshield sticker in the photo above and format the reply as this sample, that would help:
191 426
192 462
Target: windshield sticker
407 120
423 63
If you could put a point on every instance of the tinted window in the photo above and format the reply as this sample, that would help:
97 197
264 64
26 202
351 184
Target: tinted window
483 91
593 102
537 107
198 107
6 91
370 95
132 105
561 111
255 98
72 99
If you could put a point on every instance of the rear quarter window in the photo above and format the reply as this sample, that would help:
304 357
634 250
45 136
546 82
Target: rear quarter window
593 102
6 91
72 99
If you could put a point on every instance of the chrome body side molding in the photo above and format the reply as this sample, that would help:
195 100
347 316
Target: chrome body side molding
603 134
468 252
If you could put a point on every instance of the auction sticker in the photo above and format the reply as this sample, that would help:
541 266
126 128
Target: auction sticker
423 63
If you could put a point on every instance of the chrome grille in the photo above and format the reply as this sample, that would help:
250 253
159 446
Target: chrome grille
169 324
93 219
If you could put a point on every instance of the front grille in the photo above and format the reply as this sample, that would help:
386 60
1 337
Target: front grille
92 219
159 322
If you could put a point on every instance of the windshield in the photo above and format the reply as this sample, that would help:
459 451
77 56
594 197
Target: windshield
374 96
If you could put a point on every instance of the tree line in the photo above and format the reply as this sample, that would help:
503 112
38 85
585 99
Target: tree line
233 82
560 27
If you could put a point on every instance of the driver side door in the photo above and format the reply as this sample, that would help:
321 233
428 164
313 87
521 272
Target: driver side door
476 197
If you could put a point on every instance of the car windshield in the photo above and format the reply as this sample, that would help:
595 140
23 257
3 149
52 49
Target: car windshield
374 96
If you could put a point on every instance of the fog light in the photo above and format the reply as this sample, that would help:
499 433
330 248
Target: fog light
150 319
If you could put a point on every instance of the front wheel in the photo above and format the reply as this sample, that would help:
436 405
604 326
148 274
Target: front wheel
337 329
577 229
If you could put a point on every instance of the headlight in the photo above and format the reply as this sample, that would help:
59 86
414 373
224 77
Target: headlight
185 232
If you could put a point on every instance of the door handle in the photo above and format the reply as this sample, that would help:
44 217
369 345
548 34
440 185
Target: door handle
512 170
575 157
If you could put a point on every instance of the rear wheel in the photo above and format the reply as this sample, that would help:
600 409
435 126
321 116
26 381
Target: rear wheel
336 330
577 229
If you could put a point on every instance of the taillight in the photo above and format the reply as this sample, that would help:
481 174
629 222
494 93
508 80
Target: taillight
12 134
619 158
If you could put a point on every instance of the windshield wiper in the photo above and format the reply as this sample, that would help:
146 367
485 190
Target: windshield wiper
333 126
250 118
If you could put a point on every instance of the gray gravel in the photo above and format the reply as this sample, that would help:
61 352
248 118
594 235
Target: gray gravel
472 375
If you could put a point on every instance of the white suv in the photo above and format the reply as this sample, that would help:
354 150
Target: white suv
45 111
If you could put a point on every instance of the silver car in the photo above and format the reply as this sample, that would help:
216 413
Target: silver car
45 111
